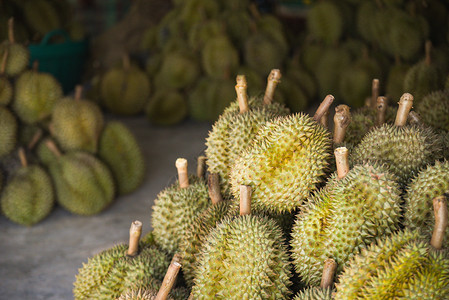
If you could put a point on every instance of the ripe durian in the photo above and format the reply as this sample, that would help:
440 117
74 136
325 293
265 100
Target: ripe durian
179 69
219 57
8 131
77 123
35 95
324 292
166 107
109 273
244 257
28 195
351 211
285 162
294 96
176 207
119 149
202 32
325 22
18 55
41 16
395 80
434 109
125 89
5 85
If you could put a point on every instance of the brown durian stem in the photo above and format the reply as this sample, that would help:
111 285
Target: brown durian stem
414 118
273 80
242 96
324 106
213 183
53 148
201 166
381 109
342 119
11 31
126 62
342 161
35 67
78 92
428 50
170 278
134 236
324 121
405 105
330 267
4 59
23 158
36 137
183 175
245 200
374 93
441 215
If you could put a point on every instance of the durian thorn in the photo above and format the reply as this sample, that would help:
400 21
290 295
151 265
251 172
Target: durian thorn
342 119
4 59
324 106
245 200
126 62
272 81
78 92
135 231
36 137
324 121
374 92
342 161
170 278
428 49
11 30
183 175
405 105
201 166
23 158
213 182
53 148
242 96
330 267
414 118
381 109
441 215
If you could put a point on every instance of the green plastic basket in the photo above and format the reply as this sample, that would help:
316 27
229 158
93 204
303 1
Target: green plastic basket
63 60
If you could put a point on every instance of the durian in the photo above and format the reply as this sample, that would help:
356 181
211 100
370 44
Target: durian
41 16
6 88
219 57
395 80
325 22
18 55
8 131
434 109
179 69
324 292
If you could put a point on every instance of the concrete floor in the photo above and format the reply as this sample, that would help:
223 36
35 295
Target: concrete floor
41 262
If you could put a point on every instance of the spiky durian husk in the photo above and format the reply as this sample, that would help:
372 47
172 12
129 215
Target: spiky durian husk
314 293
119 149
28 197
18 58
422 79
111 272
325 22
5 91
35 95
263 53
404 149
77 124
219 57
174 211
195 236
8 131
84 185
402 266
243 257
178 69
344 217
431 182
395 81
434 109
41 16
284 164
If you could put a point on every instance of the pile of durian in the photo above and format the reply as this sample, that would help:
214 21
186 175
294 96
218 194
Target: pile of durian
56 148
283 207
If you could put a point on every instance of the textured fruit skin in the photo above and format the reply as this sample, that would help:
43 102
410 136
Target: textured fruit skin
77 125
125 91
119 149
421 79
149 291
8 131
18 57
35 96
343 218
263 53
244 258
325 22
174 211
178 69
314 293
5 91
431 182
434 109
166 107
402 266
28 196
405 149
111 272
84 185
395 81
284 164
41 16
192 241
219 57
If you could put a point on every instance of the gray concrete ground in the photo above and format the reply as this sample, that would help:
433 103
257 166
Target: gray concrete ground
41 262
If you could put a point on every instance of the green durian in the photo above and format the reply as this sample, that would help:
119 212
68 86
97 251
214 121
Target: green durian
325 22
28 196
193 12
293 95
395 81
119 149
18 55
262 53
176 208
310 55
125 90
238 26
219 57
44 155
153 64
8 131
166 107
41 16
6 88
304 79
255 81
35 95
324 292
201 33
271 25
77 123
150 294
179 69
434 109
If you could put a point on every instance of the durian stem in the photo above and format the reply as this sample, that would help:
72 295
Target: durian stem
405 105
324 106
23 158
374 93
414 118
134 236
11 31
342 161
170 278
324 121
342 118
242 96
428 49
201 166
4 59
78 92
381 110
213 183
53 148
126 62
183 175
273 80
245 200
36 137
441 215
330 267
35 66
